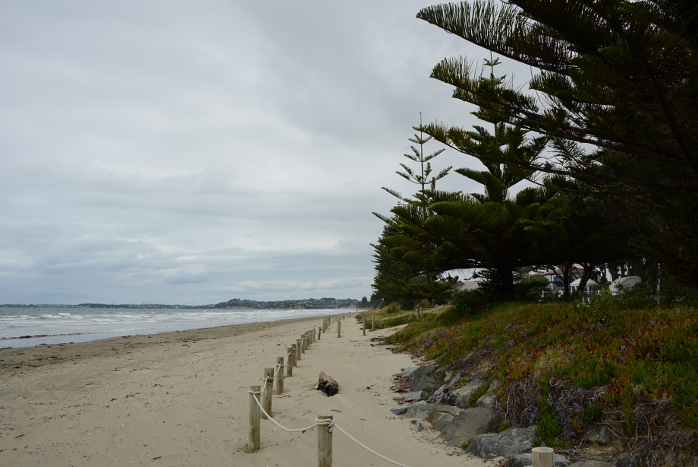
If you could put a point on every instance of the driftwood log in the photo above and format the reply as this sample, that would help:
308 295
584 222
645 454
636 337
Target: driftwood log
327 384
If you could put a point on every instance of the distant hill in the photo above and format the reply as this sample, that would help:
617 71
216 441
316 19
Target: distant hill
307 304
304 304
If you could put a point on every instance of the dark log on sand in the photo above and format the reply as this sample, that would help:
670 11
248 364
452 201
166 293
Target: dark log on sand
327 384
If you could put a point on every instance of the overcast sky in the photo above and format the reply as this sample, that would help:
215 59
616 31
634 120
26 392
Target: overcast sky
196 151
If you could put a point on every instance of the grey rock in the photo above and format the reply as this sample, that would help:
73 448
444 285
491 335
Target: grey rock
408 371
461 395
624 461
439 420
401 409
442 393
449 376
469 423
419 379
438 394
487 401
410 396
506 444
418 427
420 411
526 460
600 435
591 464
442 415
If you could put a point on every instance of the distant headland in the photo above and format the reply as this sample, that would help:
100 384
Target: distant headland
302 304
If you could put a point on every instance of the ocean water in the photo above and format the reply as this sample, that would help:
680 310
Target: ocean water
26 327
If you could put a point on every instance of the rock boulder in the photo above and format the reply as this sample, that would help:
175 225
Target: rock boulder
599 435
418 378
460 396
507 444
467 424
420 410
410 396
442 416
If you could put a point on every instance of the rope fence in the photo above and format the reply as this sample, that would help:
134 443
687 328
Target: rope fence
260 405
418 312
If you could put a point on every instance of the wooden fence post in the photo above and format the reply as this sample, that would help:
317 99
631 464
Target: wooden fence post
364 325
543 457
280 375
253 434
373 323
266 394
324 443
339 329
298 351
319 332
289 363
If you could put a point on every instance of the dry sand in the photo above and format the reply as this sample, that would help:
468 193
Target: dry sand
181 399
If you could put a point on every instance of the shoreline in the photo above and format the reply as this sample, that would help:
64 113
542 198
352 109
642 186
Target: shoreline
180 398
129 328
48 354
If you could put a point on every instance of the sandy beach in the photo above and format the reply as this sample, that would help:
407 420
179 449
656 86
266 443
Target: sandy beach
181 398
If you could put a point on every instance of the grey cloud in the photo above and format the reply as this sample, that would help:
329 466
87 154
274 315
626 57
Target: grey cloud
172 151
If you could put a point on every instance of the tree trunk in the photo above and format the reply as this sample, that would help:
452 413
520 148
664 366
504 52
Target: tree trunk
586 275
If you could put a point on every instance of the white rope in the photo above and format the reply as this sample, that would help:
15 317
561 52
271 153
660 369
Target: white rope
367 448
318 422
264 378
324 421
256 399
263 386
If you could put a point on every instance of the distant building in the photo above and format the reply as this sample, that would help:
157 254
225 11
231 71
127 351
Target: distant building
556 284
590 287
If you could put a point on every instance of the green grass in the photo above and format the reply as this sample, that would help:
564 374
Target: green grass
644 354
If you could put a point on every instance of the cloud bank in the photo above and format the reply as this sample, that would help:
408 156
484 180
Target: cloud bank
192 152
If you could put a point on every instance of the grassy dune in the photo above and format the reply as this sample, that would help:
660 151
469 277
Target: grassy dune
644 362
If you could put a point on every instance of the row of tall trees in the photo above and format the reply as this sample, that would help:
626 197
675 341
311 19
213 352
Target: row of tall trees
607 129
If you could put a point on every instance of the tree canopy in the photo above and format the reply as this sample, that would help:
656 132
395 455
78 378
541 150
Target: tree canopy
614 95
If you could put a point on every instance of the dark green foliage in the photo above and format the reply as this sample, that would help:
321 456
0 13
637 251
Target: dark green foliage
467 302
530 289
620 84
494 231
548 426
392 274
408 265
593 413
638 296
